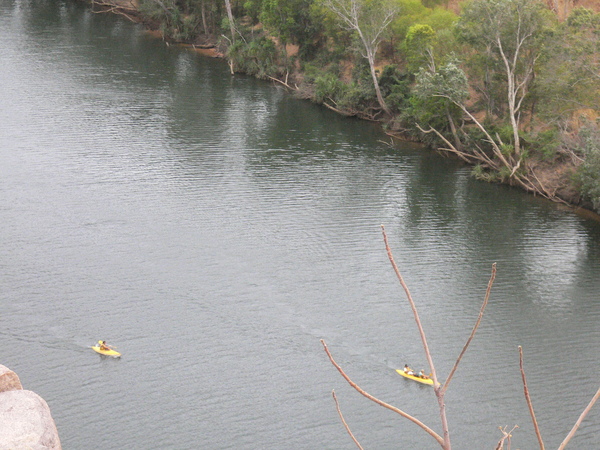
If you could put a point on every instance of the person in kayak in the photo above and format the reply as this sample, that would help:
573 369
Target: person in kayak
408 370
422 375
103 345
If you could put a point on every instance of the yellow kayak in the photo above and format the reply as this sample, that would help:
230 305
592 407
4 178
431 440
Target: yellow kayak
109 352
413 377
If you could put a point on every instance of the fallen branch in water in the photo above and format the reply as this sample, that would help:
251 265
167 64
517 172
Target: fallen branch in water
284 83
116 8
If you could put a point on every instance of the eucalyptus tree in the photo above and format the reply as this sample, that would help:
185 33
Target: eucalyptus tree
450 83
419 42
368 19
231 19
511 34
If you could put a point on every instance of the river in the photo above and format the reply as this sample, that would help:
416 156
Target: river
214 229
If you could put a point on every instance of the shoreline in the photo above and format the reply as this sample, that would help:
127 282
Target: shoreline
553 175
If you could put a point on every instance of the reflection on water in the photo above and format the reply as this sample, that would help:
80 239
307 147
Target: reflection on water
214 229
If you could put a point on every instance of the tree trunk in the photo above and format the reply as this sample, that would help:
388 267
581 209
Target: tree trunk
371 58
380 99
231 21
203 12
457 141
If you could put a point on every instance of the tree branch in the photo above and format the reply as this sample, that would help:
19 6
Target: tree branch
506 437
485 302
416 421
337 406
413 307
578 423
528 399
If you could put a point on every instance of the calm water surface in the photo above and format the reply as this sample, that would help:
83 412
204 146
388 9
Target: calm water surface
214 229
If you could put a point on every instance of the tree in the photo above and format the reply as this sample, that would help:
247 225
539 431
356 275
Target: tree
510 32
289 20
450 83
368 19
419 41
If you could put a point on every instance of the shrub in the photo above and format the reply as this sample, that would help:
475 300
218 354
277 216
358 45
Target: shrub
588 174
258 57
329 86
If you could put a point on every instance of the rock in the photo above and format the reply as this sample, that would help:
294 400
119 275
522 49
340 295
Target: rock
9 381
26 422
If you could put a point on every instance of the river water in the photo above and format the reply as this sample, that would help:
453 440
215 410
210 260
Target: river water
214 229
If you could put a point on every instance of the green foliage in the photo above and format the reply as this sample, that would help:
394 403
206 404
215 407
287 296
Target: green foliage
152 10
420 35
425 36
358 97
174 23
258 57
395 87
582 18
505 132
511 22
588 173
433 3
440 19
253 8
419 42
507 38
482 174
504 173
328 87
545 144
567 78
187 28
290 20
449 81
412 11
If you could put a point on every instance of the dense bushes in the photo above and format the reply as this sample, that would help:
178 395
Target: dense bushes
257 57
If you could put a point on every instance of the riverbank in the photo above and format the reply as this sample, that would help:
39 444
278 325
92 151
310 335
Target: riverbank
548 174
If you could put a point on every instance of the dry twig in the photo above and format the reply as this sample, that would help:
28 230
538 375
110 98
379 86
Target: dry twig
485 302
436 385
337 406
578 423
506 437
528 399
416 421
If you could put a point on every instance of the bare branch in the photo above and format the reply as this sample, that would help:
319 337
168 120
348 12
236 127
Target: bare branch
416 421
528 399
284 83
485 302
436 384
465 156
506 437
578 423
337 406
